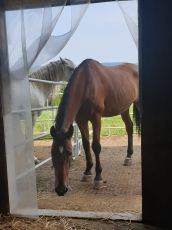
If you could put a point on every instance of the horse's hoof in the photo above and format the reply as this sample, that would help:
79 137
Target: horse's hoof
86 178
127 161
37 161
97 184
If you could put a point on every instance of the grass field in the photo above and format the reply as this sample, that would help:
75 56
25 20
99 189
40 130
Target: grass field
110 125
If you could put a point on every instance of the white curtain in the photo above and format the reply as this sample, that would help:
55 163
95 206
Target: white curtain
129 10
30 42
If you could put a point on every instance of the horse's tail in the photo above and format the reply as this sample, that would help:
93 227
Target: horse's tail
137 118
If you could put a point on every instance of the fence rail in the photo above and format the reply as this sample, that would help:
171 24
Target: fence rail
76 141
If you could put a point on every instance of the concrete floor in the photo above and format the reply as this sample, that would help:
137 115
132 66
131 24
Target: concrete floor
118 225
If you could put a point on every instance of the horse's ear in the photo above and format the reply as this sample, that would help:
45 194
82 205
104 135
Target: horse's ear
69 132
62 60
53 132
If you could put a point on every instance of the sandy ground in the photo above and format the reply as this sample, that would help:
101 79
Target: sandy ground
121 191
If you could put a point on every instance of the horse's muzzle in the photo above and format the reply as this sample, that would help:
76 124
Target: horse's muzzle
61 192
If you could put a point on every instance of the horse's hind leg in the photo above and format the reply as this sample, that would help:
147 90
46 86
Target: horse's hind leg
86 145
129 128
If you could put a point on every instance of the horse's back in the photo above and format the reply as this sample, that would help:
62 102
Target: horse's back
113 79
111 90
95 71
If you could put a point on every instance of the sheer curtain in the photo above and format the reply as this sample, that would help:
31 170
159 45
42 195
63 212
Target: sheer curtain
29 42
129 10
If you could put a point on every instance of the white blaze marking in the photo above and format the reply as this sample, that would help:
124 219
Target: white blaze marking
61 149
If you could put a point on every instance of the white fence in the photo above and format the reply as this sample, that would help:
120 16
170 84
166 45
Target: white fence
76 140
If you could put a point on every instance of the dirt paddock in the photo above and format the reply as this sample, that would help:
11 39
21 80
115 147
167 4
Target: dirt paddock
121 191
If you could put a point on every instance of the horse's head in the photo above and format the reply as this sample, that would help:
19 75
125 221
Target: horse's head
61 152
68 67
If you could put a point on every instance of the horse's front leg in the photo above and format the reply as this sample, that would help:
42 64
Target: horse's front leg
86 145
129 128
96 123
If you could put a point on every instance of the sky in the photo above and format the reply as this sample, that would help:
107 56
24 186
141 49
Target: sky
102 35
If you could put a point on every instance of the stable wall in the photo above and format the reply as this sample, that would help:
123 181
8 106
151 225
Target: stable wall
155 62
4 199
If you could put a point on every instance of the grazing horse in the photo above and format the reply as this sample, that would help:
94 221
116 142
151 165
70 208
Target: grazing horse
60 70
93 91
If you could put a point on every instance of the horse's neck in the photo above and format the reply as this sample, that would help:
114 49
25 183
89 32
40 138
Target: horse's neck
52 72
55 72
75 101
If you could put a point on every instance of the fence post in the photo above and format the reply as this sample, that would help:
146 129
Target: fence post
78 142
75 141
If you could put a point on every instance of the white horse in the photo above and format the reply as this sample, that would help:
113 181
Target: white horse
60 70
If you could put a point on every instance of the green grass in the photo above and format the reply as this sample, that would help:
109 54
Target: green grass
42 124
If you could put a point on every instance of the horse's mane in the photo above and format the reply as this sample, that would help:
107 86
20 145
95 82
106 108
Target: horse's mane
64 100
47 72
63 103
70 62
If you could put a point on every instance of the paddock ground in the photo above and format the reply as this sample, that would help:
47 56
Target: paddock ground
121 191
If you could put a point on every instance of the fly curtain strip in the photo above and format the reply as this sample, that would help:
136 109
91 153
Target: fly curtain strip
30 42
129 10
56 43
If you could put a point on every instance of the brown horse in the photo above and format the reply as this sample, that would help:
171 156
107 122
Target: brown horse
93 91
